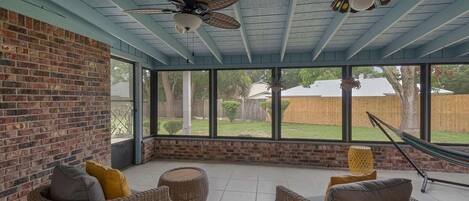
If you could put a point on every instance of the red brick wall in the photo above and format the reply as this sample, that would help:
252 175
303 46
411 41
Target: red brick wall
313 154
54 102
148 150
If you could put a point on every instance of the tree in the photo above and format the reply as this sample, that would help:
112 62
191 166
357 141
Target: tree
309 75
233 84
290 78
120 71
267 106
404 82
451 77
168 93
367 72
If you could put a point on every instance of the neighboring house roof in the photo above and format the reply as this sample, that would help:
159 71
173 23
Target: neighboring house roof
331 88
259 90
120 89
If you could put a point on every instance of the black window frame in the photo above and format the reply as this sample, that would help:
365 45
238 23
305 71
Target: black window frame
428 75
425 106
344 121
215 99
154 104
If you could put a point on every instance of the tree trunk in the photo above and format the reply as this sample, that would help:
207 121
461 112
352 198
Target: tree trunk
168 92
409 98
407 91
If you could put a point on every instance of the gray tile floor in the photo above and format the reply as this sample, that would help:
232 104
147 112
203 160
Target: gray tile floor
243 182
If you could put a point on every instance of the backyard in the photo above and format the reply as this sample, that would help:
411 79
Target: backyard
304 131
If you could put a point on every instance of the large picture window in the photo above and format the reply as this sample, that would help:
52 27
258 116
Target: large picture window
389 92
183 103
311 103
449 103
122 100
243 96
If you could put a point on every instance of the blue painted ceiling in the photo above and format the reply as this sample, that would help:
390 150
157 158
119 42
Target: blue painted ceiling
265 22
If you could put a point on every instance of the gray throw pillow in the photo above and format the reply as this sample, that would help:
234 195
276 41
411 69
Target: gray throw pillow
376 190
73 184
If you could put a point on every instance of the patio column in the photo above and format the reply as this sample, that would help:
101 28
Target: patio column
138 108
186 102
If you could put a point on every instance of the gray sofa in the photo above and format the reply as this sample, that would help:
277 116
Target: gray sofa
376 190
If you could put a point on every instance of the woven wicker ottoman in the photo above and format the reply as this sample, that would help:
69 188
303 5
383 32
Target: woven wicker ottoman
186 184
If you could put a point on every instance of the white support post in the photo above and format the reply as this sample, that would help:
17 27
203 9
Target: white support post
186 102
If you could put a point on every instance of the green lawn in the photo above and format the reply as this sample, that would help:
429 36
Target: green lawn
308 131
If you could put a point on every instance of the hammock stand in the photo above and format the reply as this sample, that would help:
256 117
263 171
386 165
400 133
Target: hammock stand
454 157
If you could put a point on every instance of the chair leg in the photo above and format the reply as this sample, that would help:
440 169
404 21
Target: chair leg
424 184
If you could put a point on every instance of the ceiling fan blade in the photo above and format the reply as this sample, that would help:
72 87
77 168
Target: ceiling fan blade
384 2
220 20
178 3
372 7
217 4
151 11
335 5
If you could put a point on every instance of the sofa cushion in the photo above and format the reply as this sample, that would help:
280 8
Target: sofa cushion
73 184
376 190
113 181
346 179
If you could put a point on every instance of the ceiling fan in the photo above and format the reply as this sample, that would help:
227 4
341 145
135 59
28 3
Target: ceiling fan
189 14
354 6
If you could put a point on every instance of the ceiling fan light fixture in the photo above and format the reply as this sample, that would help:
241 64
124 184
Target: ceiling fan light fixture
361 5
186 22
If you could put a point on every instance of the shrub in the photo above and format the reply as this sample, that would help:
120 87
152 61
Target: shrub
172 127
231 109
267 105
146 126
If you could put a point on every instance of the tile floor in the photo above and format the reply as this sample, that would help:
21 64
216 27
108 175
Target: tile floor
243 182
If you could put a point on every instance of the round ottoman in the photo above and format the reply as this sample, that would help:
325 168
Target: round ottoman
360 160
186 184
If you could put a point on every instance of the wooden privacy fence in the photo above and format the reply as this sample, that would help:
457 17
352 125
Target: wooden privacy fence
199 109
449 112
249 109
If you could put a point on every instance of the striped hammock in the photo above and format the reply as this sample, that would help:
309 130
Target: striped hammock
439 152
452 156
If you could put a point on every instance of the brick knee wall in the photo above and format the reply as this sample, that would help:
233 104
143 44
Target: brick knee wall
54 102
312 154
148 150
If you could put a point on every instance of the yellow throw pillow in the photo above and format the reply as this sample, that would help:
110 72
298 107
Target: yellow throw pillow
336 180
112 181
